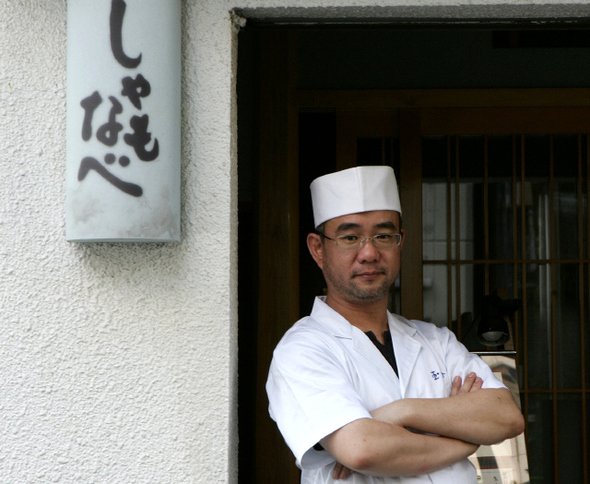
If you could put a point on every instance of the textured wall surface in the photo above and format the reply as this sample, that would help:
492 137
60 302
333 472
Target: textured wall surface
118 362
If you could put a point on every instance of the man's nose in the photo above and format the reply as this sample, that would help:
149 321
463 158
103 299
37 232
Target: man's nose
368 251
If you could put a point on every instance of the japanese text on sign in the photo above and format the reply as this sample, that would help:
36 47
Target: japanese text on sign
137 134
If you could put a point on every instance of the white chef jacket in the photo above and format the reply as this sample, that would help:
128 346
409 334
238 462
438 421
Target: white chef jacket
326 373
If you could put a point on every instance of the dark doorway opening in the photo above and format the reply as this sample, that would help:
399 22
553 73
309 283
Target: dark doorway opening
352 58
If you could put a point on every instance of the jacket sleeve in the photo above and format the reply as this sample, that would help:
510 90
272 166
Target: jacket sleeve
460 362
311 395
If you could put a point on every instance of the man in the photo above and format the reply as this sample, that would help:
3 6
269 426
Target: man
362 394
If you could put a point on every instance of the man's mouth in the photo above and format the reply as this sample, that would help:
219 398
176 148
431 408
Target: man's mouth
368 274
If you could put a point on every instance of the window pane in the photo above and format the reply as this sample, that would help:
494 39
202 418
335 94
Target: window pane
566 219
471 221
568 329
471 153
538 298
537 196
570 438
436 294
501 276
537 219
453 192
565 171
472 291
501 220
500 157
471 160
434 221
565 156
537 156
471 287
544 208
434 158
540 444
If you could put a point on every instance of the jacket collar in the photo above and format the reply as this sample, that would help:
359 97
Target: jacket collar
339 327
336 324
406 345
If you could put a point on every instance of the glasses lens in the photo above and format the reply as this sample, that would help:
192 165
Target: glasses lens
385 240
381 241
348 241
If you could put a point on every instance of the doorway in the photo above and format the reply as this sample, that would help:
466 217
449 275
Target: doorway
435 139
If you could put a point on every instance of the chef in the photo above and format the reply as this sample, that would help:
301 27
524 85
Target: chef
365 395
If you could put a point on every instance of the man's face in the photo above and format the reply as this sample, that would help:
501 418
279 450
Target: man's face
359 276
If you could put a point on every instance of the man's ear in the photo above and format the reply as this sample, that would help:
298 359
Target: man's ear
316 249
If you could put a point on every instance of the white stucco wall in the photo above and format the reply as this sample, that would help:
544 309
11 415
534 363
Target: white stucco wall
118 362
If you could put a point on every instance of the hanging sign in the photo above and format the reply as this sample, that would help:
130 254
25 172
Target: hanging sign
123 121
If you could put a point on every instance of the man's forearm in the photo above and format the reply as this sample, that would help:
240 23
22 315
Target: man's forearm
383 445
377 448
482 417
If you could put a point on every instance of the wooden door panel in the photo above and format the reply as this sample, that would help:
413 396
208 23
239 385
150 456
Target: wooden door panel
278 294
407 115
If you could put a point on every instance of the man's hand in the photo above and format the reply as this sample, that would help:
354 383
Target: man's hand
341 472
398 411
472 383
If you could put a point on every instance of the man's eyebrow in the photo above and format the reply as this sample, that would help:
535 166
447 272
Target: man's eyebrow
386 225
347 226
343 227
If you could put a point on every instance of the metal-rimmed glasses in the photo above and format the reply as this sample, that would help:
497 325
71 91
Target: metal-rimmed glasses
380 241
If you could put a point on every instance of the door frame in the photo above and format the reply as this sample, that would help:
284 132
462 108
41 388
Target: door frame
420 112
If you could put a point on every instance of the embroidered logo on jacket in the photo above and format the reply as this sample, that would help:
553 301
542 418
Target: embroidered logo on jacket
436 375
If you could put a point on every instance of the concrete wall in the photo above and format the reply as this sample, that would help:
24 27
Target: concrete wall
118 362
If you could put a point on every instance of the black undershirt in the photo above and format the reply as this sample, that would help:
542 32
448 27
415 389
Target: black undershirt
385 349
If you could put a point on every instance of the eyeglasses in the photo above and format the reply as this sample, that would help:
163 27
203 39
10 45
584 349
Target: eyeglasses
381 241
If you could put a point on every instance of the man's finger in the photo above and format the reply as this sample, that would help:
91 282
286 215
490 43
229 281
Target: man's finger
340 471
468 383
478 382
345 473
336 471
456 386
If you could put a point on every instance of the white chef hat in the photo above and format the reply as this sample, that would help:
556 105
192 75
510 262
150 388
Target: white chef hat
354 190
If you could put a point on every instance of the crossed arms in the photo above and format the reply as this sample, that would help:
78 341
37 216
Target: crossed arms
384 445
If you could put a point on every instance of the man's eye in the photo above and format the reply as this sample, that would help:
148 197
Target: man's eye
350 238
383 237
